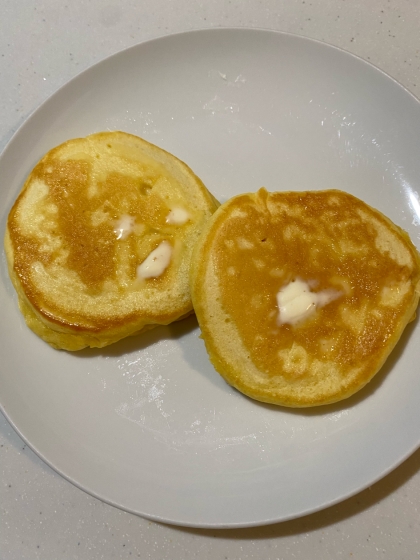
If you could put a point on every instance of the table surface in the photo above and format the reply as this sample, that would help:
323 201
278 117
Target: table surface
45 43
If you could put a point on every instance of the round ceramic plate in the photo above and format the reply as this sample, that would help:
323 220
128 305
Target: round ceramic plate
147 424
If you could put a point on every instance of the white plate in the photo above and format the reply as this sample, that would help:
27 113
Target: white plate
147 424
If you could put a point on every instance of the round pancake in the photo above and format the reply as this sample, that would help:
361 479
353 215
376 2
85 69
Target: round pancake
99 241
301 296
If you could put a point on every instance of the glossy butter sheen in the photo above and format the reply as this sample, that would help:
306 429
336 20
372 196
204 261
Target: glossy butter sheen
297 302
157 262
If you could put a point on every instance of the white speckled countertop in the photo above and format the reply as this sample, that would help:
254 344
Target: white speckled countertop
43 44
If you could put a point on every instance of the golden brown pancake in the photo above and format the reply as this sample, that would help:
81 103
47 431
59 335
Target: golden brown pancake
301 296
99 240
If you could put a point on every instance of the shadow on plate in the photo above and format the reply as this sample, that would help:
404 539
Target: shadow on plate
141 341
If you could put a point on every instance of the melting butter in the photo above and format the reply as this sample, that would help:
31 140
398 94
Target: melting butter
124 226
177 216
297 302
156 262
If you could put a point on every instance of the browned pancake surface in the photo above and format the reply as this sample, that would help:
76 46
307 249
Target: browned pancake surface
67 260
257 244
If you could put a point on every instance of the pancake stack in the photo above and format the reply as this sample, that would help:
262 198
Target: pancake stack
99 241
301 296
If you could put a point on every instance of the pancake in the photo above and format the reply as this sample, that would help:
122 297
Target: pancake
99 240
301 296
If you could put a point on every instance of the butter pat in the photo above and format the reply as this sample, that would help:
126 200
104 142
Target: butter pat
157 262
124 226
297 302
177 216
